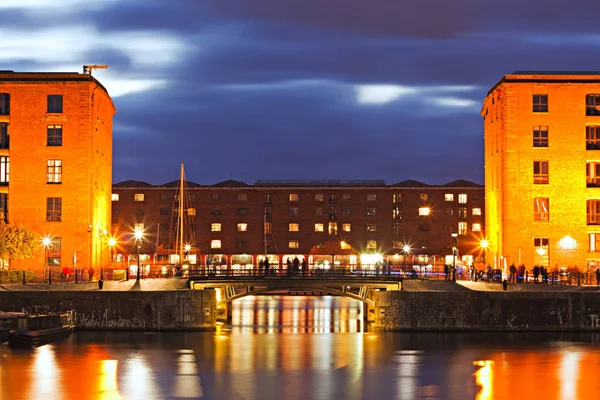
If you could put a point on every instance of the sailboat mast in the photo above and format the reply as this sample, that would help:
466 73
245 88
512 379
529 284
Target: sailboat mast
181 211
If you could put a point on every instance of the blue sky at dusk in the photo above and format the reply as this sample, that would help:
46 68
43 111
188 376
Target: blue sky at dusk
299 89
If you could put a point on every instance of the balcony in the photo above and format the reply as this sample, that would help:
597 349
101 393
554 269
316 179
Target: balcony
593 182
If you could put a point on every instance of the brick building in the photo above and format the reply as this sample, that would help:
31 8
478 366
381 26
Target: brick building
542 168
56 141
327 222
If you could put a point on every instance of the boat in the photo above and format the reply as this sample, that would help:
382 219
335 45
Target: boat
7 322
36 329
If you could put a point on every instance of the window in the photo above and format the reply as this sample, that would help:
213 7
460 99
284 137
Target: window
540 103
592 173
397 228
114 197
332 228
371 227
344 245
241 244
448 229
4 104
397 213
54 171
54 251
242 227
423 197
318 211
423 211
242 197
268 227
4 205
541 209
371 212
540 172
371 244
55 103
476 211
319 197
191 211
268 213
164 211
449 197
319 228
215 197
540 242
423 227
215 244
462 212
592 137
332 198
138 227
540 136
397 198
294 227
593 212
215 211
4 170
115 211
295 211
138 197
594 242
332 213
346 227
53 209
139 212
163 227
592 104
242 211
449 211
346 211
476 227
346 197
193 196
462 198
268 198
54 135
462 228
164 196
371 197
215 227
294 197
4 137
293 244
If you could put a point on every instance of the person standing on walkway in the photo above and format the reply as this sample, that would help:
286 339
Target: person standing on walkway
513 273
597 276
91 273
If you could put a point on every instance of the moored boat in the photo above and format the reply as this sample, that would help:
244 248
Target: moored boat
7 322
41 328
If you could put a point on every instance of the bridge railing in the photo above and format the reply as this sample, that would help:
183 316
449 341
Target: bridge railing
208 272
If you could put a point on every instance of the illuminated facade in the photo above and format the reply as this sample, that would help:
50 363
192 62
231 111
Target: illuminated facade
324 222
56 147
542 168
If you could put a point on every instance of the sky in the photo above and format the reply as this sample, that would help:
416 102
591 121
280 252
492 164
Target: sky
299 89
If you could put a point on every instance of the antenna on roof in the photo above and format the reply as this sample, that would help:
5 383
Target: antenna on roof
87 69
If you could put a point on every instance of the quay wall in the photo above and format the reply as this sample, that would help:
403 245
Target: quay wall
478 310
122 310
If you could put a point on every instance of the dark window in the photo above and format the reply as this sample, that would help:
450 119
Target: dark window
462 212
540 172
332 198
540 242
423 228
4 137
346 197
215 211
55 103
54 136
540 103
241 244
115 211
449 211
242 211
397 228
54 171
541 209
294 211
371 212
215 197
332 213
592 104
139 212
4 206
346 211
164 211
540 136
593 212
164 196
4 170
592 138
53 209
163 227
268 212
268 198
4 104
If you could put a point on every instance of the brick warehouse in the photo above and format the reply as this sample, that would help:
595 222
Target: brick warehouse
327 222
56 140
542 168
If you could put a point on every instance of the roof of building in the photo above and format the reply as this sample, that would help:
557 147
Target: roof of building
131 183
462 183
230 182
324 183
548 77
12 76
177 182
410 183
556 73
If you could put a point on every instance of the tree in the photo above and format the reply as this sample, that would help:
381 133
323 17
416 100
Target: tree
17 242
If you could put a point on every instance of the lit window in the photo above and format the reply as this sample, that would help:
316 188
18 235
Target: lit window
138 227
242 227
319 228
397 213
540 172
397 198
344 245
396 244
114 197
216 227
293 244
215 244
319 197
371 244
540 136
449 197
541 209
346 227
462 198
268 228
294 197
462 228
424 210
138 197
371 197
371 212
294 211
191 211
371 227
423 197
54 171
540 103
294 227
476 227
332 228
476 211
242 197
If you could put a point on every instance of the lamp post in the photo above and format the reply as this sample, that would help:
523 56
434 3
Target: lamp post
406 251
484 244
46 241
454 250
138 234
103 234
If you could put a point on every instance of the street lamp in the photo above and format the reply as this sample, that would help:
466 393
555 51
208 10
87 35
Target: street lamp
406 251
454 250
138 234
484 244
46 242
